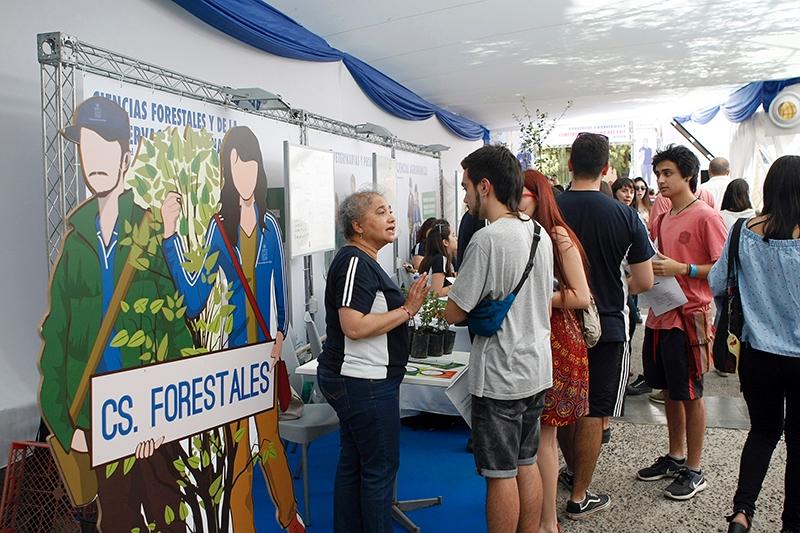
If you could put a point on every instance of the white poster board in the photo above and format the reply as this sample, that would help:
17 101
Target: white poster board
418 196
311 200
385 176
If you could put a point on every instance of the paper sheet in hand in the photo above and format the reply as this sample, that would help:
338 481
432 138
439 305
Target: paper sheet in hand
458 392
664 296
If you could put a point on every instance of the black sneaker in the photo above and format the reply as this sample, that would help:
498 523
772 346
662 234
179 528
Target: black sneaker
638 386
566 478
606 435
664 466
591 504
686 485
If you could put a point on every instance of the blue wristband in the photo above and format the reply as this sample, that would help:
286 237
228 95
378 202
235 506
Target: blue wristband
692 270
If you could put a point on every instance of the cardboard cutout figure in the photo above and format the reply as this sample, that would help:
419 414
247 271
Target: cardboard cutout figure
93 275
253 233
115 311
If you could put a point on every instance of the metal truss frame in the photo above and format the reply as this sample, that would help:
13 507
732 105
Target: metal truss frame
61 55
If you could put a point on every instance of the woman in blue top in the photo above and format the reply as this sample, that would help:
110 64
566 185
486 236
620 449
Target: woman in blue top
253 233
769 365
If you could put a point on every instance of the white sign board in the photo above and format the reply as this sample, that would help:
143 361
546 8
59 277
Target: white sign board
177 399
311 200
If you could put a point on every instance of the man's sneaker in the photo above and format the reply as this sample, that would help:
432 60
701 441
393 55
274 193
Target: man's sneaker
665 466
638 386
686 485
566 478
591 504
658 397
606 435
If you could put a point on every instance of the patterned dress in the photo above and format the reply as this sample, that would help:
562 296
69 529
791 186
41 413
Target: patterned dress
568 399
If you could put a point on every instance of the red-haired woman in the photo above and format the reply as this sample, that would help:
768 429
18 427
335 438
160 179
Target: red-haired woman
568 400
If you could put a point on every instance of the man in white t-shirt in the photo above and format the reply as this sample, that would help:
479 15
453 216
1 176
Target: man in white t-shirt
510 370
719 170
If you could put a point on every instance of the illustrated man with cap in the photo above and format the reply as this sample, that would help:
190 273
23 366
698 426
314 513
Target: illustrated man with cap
81 289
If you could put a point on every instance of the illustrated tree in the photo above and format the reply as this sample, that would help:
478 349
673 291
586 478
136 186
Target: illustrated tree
188 163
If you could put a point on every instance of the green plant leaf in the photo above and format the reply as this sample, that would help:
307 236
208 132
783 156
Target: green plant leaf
124 306
181 483
194 462
169 314
156 305
120 339
151 526
146 357
238 436
179 465
163 346
169 515
111 468
211 262
128 464
137 339
183 511
135 530
180 312
140 305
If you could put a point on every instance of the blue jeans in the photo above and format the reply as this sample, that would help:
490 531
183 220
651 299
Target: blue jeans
369 456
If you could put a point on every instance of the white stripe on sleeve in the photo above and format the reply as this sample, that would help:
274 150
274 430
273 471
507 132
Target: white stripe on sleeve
349 281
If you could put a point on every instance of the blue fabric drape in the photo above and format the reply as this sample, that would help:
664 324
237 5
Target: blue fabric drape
264 27
743 103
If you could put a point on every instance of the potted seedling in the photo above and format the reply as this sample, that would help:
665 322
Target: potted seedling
420 335
433 310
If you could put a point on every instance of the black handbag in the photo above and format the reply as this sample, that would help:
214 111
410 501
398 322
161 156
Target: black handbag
727 342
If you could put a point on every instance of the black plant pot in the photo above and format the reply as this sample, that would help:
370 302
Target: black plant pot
449 341
436 344
419 344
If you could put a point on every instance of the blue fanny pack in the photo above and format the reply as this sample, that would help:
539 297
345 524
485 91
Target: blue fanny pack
487 317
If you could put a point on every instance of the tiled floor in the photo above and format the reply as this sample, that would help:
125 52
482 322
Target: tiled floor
725 407
721 412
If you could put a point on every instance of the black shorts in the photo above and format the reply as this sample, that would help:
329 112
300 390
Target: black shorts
505 434
667 365
609 363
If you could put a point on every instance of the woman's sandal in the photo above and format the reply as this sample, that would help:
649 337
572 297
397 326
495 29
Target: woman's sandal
736 527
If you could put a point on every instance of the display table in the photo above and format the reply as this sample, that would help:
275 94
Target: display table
423 389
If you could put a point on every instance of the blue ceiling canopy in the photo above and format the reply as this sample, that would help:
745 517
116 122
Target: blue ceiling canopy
743 103
260 25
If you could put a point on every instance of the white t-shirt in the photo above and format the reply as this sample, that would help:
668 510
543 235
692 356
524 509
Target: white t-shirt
515 362
730 217
717 186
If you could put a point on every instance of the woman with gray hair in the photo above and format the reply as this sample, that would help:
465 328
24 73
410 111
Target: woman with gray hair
363 363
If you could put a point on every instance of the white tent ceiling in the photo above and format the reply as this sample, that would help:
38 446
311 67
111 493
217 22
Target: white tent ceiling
617 57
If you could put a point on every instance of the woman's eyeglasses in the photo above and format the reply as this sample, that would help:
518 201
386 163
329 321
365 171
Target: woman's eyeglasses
641 188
